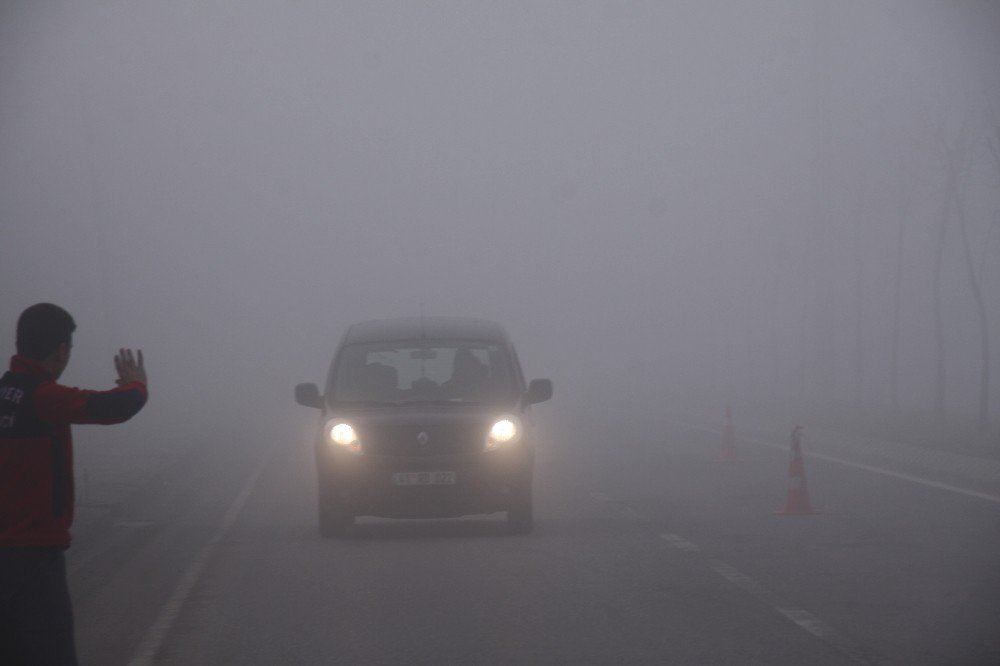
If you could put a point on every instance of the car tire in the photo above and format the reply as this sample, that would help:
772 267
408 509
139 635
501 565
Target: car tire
334 516
520 515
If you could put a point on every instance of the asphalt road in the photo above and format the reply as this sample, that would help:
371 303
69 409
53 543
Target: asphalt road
646 550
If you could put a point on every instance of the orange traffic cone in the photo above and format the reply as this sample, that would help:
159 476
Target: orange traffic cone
797 501
728 453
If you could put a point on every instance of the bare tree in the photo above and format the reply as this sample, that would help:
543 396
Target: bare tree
993 143
953 153
859 298
939 349
957 156
984 330
897 288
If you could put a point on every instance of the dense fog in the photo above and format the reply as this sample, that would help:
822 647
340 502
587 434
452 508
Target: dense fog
666 203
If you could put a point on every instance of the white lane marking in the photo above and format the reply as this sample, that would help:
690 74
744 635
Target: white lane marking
799 616
989 497
886 472
603 498
908 477
680 543
158 631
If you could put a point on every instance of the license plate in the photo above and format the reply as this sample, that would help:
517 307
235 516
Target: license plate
423 479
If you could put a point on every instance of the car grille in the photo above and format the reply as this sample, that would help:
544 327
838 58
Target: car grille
405 441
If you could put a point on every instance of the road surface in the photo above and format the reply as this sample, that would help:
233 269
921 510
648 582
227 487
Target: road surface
646 550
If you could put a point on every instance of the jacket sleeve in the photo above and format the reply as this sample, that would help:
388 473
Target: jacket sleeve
56 403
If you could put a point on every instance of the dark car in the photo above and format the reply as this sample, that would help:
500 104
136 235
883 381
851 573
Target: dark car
425 417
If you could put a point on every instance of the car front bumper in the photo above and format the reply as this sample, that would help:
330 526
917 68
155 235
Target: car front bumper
426 486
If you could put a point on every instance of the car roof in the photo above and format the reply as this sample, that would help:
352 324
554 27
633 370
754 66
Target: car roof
416 328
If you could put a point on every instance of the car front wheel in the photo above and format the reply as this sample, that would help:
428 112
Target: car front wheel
335 517
520 515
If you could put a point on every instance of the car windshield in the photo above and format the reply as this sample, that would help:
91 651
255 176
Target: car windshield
424 371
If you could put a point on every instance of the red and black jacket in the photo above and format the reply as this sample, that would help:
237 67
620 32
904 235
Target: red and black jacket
36 449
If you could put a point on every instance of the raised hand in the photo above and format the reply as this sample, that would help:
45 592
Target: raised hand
130 368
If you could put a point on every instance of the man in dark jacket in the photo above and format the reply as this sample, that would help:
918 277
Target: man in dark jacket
36 480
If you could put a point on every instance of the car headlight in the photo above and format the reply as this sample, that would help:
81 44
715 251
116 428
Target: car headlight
505 430
343 435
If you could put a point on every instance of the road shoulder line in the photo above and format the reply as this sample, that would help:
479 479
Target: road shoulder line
989 497
886 472
154 637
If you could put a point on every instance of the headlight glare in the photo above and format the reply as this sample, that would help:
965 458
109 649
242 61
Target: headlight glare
504 430
343 435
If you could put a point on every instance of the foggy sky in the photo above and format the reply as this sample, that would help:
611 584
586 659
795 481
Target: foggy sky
653 197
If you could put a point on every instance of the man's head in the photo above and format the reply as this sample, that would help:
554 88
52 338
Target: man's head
44 334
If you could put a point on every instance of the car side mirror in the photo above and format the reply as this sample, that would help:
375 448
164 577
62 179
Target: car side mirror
539 390
308 395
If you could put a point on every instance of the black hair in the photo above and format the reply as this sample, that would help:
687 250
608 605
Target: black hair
41 328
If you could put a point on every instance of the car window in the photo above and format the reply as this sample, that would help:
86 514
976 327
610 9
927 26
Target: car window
423 371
